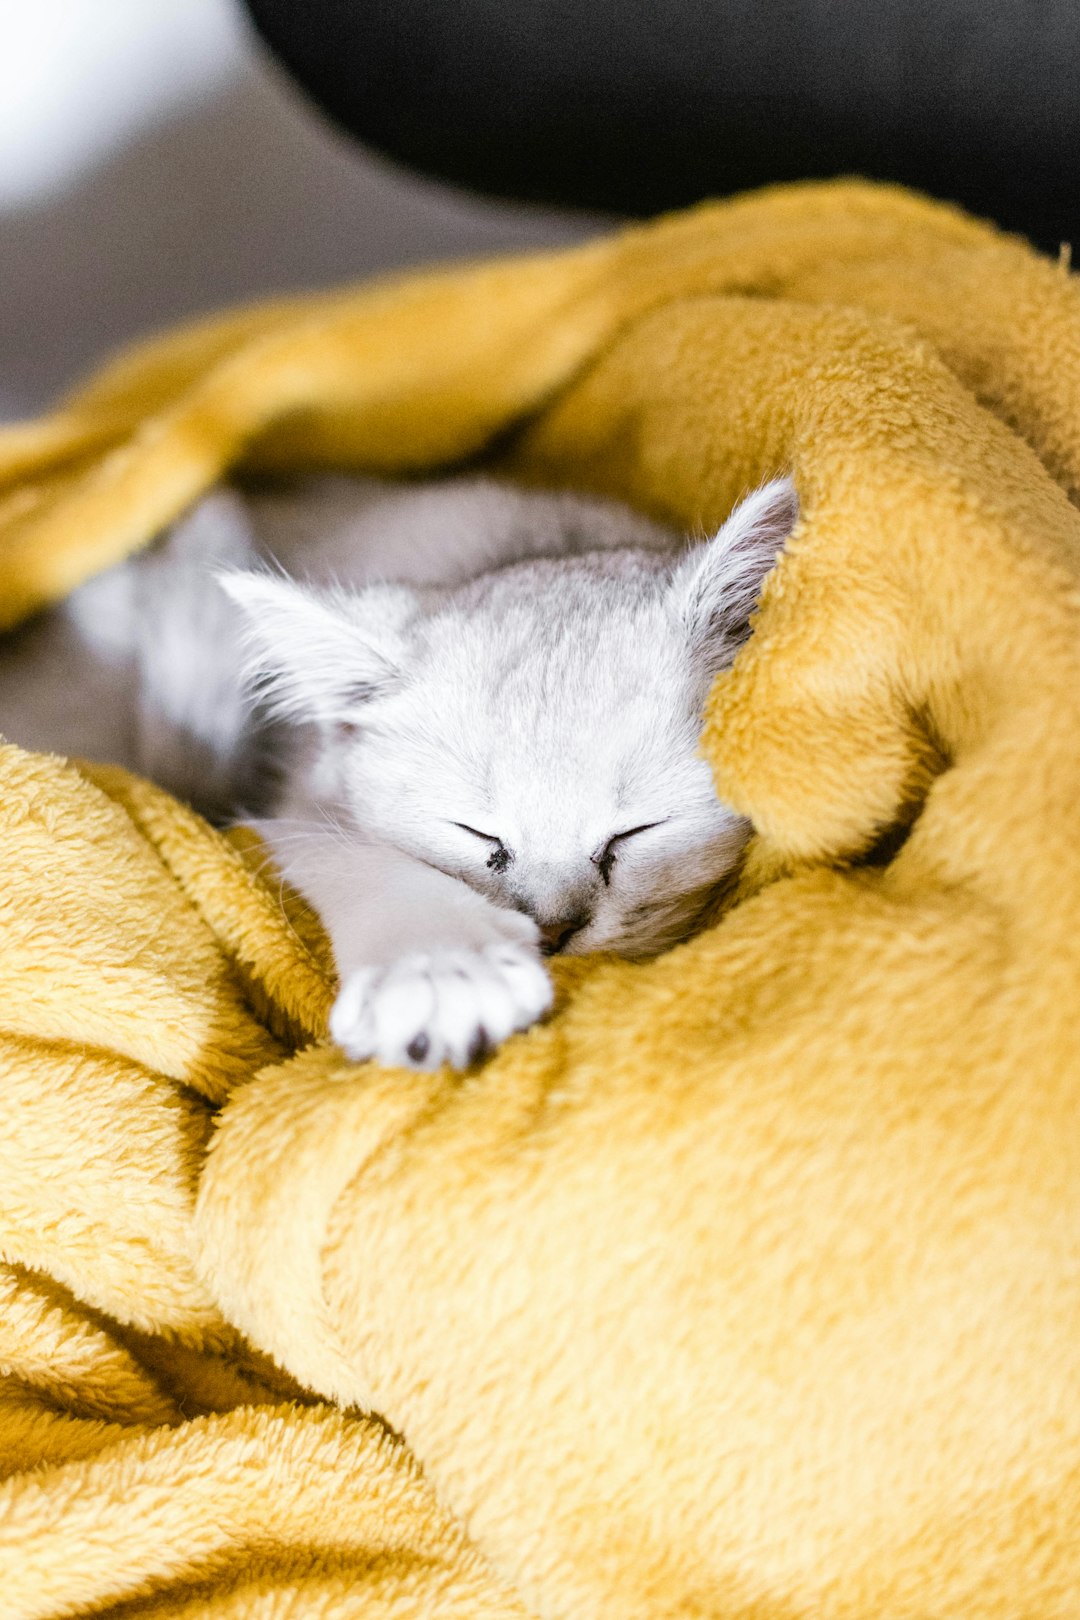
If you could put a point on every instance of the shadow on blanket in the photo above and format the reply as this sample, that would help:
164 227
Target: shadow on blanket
748 1284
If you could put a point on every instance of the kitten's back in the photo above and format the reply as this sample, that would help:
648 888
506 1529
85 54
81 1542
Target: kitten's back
360 530
143 665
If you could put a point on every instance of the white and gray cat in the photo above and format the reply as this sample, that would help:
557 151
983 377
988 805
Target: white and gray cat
471 713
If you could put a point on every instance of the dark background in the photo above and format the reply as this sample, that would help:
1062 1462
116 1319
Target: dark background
639 105
158 159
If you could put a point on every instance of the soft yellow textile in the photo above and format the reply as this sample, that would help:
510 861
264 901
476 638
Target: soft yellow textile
747 1286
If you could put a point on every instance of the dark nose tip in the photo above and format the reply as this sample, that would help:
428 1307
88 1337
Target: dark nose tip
554 936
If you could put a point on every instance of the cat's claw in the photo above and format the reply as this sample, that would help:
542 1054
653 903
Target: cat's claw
441 1006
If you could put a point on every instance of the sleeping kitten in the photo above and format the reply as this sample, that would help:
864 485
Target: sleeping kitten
493 758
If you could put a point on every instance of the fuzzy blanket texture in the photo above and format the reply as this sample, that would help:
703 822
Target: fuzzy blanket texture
749 1284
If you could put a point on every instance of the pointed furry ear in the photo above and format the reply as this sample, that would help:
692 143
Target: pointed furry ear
319 654
716 588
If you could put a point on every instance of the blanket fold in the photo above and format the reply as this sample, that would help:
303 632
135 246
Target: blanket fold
747 1284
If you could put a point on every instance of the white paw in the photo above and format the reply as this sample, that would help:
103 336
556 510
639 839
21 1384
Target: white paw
440 1006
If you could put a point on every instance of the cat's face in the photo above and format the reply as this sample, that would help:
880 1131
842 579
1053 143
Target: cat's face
536 733
542 746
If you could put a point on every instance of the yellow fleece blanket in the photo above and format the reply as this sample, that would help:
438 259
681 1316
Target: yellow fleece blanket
749 1284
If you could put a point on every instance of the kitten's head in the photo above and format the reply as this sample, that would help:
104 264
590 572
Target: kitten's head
535 732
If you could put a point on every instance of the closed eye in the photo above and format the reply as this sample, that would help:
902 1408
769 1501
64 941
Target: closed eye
489 838
500 857
606 857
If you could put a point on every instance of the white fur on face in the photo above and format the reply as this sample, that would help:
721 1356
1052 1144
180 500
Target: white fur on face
534 733
497 752
546 715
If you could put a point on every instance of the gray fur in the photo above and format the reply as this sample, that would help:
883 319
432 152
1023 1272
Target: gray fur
496 751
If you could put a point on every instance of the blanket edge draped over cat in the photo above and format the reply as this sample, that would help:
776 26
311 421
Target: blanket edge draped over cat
746 1285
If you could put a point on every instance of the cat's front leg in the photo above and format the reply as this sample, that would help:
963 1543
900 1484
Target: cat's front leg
442 1005
431 972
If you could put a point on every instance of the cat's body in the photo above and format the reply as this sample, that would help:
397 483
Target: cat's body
494 755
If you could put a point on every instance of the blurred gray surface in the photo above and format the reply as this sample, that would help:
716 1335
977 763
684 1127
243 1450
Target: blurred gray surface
245 193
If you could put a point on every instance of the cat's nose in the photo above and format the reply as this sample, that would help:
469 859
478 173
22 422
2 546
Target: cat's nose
556 934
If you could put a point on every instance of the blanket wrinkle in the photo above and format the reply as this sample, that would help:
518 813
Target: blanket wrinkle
748 1284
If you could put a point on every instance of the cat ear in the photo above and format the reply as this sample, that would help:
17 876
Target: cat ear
716 587
319 654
